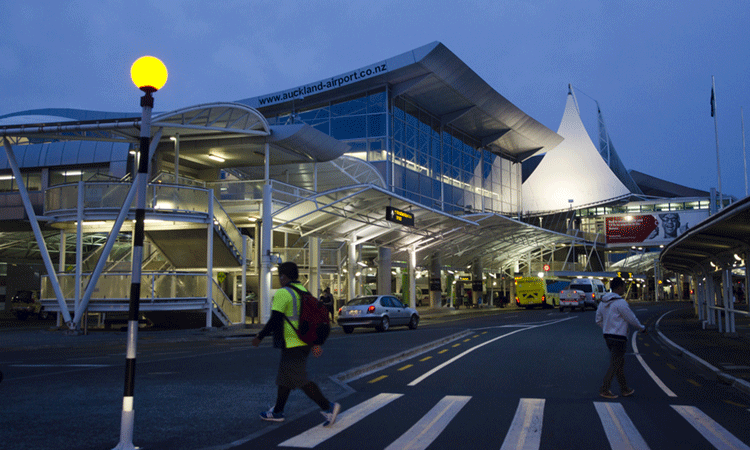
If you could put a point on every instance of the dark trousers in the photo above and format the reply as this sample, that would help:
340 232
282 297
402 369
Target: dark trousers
617 345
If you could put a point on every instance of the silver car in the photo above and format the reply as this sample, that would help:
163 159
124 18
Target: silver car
376 311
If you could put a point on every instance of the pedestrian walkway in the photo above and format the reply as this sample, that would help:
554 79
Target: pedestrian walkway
728 356
524 430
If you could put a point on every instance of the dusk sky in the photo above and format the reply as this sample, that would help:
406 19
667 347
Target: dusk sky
648 63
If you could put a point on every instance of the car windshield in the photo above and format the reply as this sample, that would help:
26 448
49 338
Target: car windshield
359 301
581 287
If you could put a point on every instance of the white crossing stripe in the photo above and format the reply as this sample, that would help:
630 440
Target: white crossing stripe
620 430
316 435
526 429
717 435
421 435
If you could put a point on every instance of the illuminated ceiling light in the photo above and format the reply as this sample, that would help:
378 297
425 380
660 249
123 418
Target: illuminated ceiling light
540 274
6 177
737 257
72 173
216 158
363 264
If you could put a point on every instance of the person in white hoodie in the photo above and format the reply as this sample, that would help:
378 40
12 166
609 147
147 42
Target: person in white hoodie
614 315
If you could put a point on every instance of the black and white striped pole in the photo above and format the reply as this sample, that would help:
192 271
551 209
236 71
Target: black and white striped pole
149 75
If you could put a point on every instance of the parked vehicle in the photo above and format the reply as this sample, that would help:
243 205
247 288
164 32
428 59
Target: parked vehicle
535 291
376 311
25 304
582 293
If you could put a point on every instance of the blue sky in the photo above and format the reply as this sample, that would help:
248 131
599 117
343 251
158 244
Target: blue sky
648 63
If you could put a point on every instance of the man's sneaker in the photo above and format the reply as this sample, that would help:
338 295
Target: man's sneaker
627 392
331 414
607 394
272 416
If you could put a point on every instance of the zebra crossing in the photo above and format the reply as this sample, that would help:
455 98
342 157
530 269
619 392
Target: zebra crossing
525 431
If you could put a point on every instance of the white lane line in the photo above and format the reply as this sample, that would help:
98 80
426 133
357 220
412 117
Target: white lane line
60 365
316 435
461 355
621 433
649 371
714 433
525 431
421 435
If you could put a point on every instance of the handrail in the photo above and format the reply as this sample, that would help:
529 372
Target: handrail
161 199
157 288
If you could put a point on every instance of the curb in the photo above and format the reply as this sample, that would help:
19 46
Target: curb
724 377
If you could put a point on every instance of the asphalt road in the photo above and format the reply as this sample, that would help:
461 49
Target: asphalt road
516 379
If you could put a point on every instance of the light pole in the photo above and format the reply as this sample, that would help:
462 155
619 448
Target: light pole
149 75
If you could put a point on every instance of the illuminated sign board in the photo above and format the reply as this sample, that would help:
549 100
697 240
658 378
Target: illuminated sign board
658 228
398 216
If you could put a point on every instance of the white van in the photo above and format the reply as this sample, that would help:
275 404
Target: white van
592 287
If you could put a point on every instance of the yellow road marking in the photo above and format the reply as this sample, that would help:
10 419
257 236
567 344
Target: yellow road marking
475 336
693 382
455 345
467 340
671 366
646 344
375 380
735 404
484 332
443 351
425 359
656 354
406 367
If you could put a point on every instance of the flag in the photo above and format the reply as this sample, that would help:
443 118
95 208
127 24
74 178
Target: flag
713 102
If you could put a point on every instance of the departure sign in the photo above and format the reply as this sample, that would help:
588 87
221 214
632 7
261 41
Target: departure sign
398 216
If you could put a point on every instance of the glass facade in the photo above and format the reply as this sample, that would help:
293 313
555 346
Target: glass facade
439 167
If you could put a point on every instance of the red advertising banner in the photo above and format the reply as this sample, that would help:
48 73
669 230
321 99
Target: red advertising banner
658 228
629 229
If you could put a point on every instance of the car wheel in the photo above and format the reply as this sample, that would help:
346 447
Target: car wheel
348 329
414 322
385 323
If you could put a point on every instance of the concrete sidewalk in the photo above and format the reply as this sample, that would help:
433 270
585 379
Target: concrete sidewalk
727 356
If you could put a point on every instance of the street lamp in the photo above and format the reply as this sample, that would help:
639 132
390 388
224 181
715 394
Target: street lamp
149 75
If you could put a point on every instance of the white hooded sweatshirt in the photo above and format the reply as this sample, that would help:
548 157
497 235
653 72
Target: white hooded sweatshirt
614 315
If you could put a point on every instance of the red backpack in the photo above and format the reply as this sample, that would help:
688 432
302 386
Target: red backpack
314 326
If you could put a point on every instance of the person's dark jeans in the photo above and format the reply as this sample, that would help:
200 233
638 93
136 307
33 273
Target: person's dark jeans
617 345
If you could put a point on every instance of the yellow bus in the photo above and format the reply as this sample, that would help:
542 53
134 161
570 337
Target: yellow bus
535 291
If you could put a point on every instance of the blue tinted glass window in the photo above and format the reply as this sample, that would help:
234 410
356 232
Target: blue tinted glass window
412 181
349 127
376 102
324 127
346 108
376 125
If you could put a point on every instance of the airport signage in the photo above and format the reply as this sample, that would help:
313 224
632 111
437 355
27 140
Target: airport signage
398 216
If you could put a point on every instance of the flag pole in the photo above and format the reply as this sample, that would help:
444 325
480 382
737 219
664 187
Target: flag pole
716 132
744 155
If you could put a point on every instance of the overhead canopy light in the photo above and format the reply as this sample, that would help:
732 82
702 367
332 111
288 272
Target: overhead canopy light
216 158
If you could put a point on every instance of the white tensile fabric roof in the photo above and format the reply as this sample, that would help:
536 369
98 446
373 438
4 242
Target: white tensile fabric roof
572 170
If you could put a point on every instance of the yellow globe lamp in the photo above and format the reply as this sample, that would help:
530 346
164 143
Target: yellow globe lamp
149 74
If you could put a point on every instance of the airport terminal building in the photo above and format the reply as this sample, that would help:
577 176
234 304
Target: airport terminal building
409 175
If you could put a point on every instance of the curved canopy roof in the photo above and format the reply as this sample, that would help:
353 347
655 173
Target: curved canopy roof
441 83
232 131
714 241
